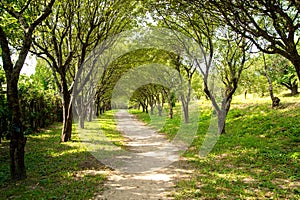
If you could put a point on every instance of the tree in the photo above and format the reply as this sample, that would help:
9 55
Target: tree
188 70
272 25
18 24
204 28
43 76
232 54
275 100
3 106
68 36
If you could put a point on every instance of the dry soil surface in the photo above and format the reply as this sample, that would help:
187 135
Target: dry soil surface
151 167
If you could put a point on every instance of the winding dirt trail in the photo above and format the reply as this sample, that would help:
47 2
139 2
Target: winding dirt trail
151 169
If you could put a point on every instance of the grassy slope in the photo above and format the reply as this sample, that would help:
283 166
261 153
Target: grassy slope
57 170
258 157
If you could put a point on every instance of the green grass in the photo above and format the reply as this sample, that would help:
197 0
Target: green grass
57 170
109 126
257 158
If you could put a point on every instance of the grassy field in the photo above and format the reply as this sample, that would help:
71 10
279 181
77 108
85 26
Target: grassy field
57 170
257 158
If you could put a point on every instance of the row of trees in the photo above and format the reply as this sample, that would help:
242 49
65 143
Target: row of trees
64 33
61 33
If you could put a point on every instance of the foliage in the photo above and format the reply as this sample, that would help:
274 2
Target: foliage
43 76
254 81
283 72
74 30
40 105
4 111
273 26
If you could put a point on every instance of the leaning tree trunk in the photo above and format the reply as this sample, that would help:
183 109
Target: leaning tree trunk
223 109
17 140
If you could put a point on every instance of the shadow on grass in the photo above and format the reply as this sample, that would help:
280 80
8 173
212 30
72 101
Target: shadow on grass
257 158
55 170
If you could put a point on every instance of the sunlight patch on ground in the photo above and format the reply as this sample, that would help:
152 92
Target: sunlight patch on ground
155 177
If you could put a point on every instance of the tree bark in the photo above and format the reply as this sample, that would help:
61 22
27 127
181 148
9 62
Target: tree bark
169 97
17 140
67 116
81 121
294 89
160 104
90 113
296 62
67 125
151 109
223 113
221 123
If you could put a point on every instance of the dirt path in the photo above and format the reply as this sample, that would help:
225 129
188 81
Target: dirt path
150 168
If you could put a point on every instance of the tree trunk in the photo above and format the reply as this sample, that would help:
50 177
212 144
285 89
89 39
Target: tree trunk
296 63
160 105
97 109
221 123
171 111
144 110
169 96
67 126
81 120
275 100
294 89
185 106
17 141
185 102
67 117
90 112
81 111
223 114
151 108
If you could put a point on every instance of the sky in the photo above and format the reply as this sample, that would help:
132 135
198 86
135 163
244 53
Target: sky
29 65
